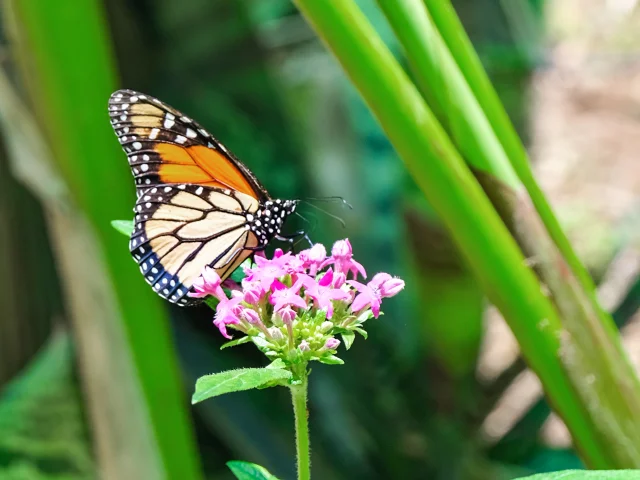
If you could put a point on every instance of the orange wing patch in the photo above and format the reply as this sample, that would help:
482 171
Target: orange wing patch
200 165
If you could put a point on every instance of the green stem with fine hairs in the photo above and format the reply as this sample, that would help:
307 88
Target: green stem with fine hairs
299 398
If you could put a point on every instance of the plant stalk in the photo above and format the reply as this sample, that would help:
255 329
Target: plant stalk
299 399
482 237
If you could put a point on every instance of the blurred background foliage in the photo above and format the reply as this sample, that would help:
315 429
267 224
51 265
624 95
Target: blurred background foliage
438 390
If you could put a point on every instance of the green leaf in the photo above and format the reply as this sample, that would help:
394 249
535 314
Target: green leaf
277 363
362 332
249 471
235 381
238 273
233 343
125 227
331 360
212 302
347 339
587 475
260 342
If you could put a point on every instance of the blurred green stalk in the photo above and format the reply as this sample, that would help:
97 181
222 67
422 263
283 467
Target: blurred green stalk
588 328
583 390
68 70
461 49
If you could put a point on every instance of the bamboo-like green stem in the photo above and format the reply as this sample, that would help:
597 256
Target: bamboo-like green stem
617 390
69 75
475 226
445 89
299 399
454 35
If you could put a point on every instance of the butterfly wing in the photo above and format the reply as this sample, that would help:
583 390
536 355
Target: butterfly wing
166 147
194 196
179 230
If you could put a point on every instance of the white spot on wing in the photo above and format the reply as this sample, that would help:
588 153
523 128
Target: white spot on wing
180 139
191 133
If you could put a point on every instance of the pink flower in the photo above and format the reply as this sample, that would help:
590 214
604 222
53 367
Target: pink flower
227 313
323 293
283 296
208 283
266 271
342 258
371 294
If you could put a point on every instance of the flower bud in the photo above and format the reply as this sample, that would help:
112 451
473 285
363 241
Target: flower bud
317 253
252 295
304 346
391 287
250 316
287 314
326 326
342 249
338 279
379 279
331 343
276 334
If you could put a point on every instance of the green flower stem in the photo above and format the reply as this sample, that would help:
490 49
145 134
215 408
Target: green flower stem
299 398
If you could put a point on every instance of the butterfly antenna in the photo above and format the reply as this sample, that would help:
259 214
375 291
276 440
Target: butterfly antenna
335 217
331 199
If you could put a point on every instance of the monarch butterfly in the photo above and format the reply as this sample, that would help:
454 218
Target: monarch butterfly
197 204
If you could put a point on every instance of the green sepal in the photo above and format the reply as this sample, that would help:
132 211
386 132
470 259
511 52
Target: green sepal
362 332
347 339
331 360
364 316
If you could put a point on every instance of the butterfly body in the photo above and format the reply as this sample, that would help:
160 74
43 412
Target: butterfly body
197 204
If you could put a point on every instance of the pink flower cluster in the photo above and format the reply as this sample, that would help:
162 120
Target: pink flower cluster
295 301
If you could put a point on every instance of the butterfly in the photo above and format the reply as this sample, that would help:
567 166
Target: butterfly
197 204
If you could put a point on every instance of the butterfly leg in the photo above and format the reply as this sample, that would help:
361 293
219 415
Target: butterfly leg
291 238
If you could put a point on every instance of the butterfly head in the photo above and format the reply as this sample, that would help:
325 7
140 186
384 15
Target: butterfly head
269 219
